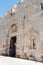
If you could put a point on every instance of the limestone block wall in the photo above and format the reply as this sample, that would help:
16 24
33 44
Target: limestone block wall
28 17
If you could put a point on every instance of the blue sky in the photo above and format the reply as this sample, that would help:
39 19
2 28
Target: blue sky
5 5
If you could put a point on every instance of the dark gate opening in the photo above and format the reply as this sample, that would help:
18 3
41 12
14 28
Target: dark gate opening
12 49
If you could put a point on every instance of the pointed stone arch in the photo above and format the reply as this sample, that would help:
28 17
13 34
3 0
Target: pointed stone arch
33 38
11 29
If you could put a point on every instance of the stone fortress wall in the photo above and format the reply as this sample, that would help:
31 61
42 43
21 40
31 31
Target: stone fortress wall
25 21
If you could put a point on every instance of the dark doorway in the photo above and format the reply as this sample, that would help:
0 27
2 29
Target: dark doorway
12 49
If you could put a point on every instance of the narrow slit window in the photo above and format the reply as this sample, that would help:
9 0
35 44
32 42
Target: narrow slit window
41 6
33 44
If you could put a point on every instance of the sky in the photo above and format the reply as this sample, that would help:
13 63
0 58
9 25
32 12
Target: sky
6 5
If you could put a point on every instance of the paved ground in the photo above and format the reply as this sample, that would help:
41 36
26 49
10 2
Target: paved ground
16 61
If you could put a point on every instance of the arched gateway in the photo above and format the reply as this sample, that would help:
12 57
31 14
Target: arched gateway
12 48
11 41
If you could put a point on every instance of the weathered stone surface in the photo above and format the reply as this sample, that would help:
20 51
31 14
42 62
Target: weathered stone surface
28 18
